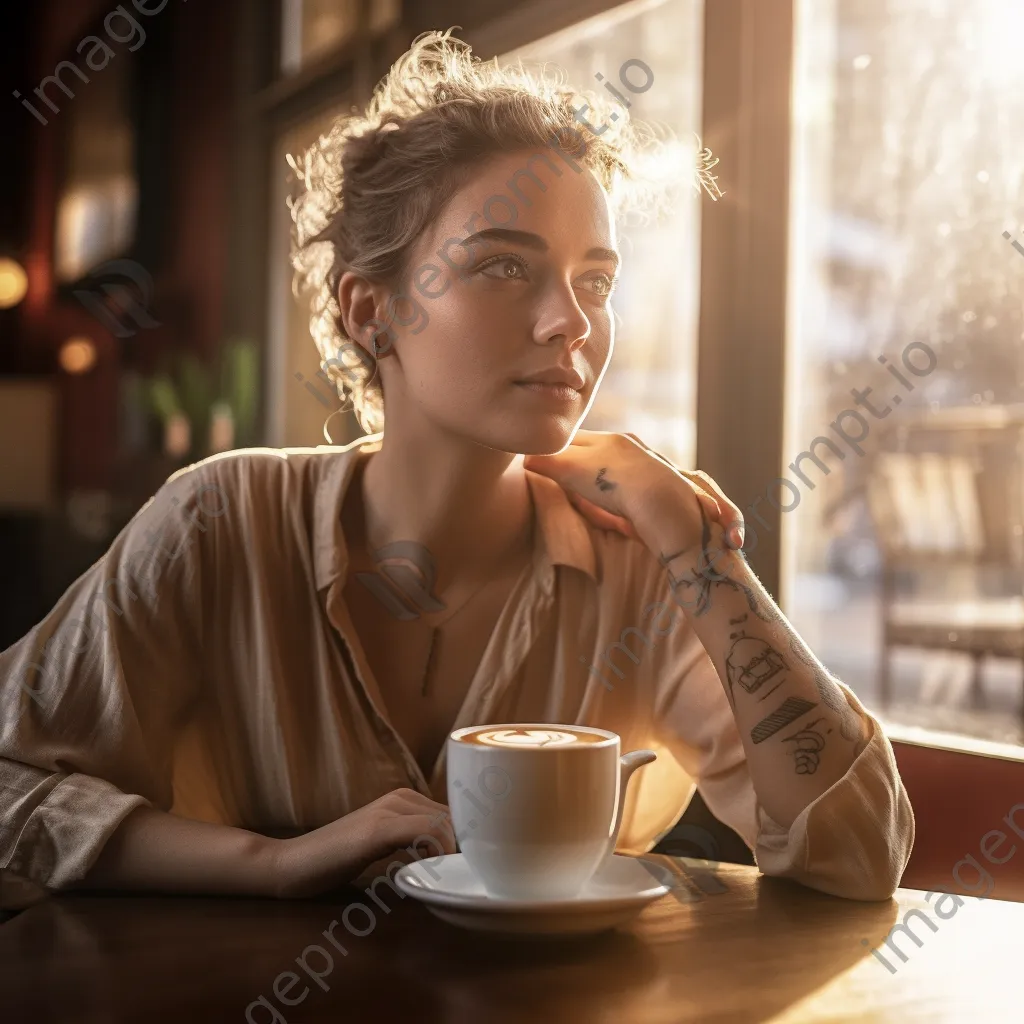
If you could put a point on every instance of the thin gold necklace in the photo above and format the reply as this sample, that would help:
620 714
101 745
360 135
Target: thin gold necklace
436 627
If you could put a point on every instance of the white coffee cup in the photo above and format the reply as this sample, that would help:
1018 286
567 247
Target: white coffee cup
537 807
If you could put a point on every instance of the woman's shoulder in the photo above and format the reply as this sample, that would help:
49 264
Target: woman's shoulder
254 492
616 566
624 566
265 477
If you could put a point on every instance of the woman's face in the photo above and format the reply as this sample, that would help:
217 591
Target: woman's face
491 303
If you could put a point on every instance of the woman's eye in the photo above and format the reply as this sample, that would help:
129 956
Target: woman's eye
509 268
603 284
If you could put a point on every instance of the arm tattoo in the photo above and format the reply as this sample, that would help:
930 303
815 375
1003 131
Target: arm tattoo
702 576
809 745
752 664
831 696
788 711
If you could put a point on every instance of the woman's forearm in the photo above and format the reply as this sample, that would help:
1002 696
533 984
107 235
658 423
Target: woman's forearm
156 851
799 732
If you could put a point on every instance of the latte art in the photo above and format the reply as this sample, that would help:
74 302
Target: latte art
526 738
531 737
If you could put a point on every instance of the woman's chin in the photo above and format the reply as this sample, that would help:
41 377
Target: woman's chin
549 440
517 433
538 439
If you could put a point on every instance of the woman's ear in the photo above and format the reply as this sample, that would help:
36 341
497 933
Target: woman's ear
378 328
358 301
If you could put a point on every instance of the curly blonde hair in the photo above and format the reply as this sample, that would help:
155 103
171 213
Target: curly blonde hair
376 180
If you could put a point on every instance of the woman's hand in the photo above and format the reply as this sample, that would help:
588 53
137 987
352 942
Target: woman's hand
338 853
619 483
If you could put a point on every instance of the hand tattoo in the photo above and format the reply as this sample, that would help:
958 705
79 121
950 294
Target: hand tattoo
788 711
809 744
602 483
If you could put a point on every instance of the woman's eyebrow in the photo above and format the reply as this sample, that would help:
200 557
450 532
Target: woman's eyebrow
534 241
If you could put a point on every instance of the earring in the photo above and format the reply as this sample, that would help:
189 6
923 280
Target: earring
327 436
349 405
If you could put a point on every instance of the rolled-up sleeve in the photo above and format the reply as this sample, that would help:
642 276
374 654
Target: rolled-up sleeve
854 840
92 698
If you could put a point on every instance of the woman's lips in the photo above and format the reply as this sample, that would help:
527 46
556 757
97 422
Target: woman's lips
555 392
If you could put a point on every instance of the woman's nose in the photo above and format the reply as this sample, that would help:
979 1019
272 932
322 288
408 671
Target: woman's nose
563 321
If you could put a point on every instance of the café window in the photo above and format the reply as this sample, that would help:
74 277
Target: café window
904 554
649 388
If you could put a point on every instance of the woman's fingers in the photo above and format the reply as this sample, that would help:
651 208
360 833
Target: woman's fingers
713 501
706 499
407 838
602 519
414 802
399 824
616 472
726 512
409 803
424 832
731 518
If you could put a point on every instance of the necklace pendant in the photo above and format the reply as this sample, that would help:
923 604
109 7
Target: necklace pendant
425 685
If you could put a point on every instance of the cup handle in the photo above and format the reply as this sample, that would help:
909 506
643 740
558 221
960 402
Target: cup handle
628 763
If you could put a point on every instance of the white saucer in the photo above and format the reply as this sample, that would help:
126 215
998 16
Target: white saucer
622 887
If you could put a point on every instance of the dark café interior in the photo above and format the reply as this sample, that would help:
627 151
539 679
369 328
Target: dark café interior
661 660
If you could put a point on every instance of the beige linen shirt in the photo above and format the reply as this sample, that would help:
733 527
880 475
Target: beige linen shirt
206 666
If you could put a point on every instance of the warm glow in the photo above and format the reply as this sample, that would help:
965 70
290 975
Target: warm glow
998 56
77 355
13 283
95 222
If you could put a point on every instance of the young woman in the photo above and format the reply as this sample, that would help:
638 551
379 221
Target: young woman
251 691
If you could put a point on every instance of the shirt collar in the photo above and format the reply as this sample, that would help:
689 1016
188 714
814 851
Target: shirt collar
561 539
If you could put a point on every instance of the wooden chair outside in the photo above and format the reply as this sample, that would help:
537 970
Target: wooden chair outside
947 509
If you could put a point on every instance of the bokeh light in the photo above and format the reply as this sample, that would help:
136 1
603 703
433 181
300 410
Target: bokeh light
77 355
13 282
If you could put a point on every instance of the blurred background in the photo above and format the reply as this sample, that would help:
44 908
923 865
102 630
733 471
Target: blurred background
872 170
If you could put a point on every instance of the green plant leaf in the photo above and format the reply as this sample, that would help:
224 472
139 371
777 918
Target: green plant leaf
162 397
240 384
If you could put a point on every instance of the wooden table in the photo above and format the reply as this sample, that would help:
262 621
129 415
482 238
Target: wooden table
727 945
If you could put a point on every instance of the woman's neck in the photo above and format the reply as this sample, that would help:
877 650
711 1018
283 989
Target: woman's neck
470 508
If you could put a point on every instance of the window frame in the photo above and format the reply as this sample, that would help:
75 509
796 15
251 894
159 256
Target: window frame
744 244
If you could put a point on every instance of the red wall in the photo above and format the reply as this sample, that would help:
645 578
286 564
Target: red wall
958 798
192 284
